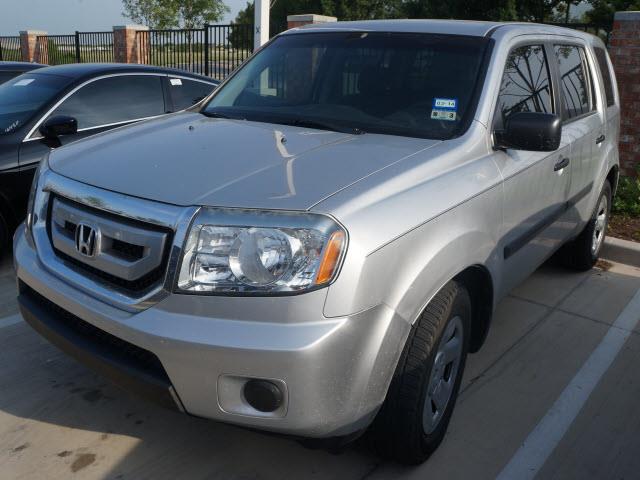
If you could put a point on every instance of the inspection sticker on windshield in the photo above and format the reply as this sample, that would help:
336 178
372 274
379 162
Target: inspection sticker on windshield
445 109
445 103
447 115
24 82
175 81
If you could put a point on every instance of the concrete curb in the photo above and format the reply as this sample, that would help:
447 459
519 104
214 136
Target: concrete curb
621 251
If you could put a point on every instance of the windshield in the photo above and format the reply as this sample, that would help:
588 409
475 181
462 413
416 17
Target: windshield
418 85
23 96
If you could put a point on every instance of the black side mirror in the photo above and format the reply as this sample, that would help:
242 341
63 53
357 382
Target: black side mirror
57 126
538 132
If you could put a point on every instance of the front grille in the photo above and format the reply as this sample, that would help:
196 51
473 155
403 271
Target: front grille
123 352
137 287
129 251
139 275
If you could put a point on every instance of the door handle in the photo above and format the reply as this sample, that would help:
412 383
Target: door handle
561 164
600 139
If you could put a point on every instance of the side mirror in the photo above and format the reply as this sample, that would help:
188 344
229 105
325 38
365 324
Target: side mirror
538 132
57 126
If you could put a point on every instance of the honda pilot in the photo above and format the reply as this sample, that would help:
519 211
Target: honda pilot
315 248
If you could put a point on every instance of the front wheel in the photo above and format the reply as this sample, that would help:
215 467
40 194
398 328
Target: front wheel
415 415
583 252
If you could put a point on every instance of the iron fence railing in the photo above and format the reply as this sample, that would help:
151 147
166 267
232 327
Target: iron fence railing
10 49
57 49
95 47
214 50
182 49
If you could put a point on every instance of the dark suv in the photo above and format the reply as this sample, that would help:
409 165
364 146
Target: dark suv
57 105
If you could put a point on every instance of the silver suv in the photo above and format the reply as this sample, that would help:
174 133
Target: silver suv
315 249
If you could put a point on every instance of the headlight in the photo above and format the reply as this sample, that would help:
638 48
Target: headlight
250 252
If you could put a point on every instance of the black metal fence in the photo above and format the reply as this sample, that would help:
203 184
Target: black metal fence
95 47
215 50
10 49
81 47
57 49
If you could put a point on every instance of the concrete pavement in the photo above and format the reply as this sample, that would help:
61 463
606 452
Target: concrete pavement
59 420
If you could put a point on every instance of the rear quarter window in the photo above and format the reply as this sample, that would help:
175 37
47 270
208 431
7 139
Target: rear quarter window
603 65
574 81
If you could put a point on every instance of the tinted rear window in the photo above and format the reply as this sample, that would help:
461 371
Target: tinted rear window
601 57
186 93
576 95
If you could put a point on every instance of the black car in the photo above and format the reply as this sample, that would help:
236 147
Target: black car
53 106
9 70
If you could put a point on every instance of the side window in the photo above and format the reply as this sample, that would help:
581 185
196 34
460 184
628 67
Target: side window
525 85
601 57
186 93
115 99
576 94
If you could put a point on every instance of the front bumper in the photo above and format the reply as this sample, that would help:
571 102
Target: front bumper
335 371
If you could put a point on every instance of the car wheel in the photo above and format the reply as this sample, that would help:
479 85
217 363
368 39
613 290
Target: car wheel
583 252
416 412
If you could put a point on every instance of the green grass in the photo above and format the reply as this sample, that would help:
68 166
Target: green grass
627 200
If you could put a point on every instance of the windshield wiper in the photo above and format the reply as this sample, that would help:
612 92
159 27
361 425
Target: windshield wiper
321 125
219 115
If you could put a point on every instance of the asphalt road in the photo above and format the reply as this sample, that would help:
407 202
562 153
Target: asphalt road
552 395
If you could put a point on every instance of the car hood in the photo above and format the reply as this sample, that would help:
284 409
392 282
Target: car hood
189 159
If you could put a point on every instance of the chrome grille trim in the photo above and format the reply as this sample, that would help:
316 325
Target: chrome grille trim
177 219
109 231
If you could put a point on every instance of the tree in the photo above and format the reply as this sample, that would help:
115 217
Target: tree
460 9
603 10
174 13
152 13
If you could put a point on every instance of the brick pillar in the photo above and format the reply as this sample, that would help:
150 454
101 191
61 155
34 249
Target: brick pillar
294 21
42 50
625 55
130 43
29 45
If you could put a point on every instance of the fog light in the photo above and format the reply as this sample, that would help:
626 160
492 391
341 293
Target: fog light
262 395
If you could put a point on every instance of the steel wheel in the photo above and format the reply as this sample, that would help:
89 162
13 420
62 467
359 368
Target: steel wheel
601 219
443 374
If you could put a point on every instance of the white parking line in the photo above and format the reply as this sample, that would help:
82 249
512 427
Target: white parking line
12 320
544 438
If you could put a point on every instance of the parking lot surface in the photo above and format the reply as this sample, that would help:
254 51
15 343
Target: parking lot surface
553 394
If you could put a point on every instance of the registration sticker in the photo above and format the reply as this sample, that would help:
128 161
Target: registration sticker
446 115
175 81
445 104
24 82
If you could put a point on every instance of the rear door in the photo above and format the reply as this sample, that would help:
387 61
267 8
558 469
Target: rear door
582 121
99 105
535 184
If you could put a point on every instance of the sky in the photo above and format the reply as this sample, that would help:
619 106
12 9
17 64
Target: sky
67 16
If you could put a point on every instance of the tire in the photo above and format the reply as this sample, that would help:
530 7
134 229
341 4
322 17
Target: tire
582 253
408 429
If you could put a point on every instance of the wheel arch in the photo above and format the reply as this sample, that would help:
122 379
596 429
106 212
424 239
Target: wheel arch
612 176
479 284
